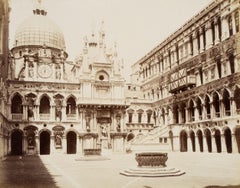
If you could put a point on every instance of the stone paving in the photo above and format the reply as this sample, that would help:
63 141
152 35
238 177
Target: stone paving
204 170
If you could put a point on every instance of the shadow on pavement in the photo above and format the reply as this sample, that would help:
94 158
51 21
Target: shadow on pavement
25 172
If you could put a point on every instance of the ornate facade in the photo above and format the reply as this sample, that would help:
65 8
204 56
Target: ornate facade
58 106
4 26
193 82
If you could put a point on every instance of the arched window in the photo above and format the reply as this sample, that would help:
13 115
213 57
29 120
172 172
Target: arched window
71 106
17 107
226 102
216 104
237 98
199 108
191 111
44 105
207 106
236 17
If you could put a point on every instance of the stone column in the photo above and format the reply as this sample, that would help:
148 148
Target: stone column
64 144
214 145
52 144
195 44
217 39
225 28
209 37
64 115
223 144
205 146
201 40
79 145
234 143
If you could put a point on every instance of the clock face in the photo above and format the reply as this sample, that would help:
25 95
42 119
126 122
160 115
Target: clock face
44 71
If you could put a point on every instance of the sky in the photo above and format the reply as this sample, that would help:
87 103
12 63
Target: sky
136 26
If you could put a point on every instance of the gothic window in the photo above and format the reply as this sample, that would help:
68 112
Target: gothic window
191 44
44 105
226 102
219 68
199 108
237 98
191 110
71 106
16 107
231 61
216 104
204 37
237 21
219 23
207 106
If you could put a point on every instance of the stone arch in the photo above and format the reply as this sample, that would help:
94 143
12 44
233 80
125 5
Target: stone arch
182 107
191 106
17 104
228 138
200 139
44 106
71 105
208 136
207 102
192 137
45 141
175 113
226 102
171 139
199 103
216 103
217 136
16 142
183 141
237 137
236 97
71 137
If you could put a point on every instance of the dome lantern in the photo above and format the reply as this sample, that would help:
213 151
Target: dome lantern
39 30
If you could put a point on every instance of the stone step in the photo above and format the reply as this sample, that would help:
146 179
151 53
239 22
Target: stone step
152 172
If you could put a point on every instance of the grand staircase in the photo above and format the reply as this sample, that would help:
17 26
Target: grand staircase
150 141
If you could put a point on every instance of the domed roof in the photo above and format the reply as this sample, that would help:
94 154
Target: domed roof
39 30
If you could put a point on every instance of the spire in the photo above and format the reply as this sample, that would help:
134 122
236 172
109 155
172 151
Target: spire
101 35
39 9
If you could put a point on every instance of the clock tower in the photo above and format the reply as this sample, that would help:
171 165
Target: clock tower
39 49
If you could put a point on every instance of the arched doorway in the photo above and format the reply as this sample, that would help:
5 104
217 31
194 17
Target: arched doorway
192 136
218 141
16 142
200 140
44 143
228 140
183 141
237 136
71 142
209 140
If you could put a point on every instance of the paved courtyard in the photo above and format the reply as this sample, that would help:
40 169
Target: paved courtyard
69 171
